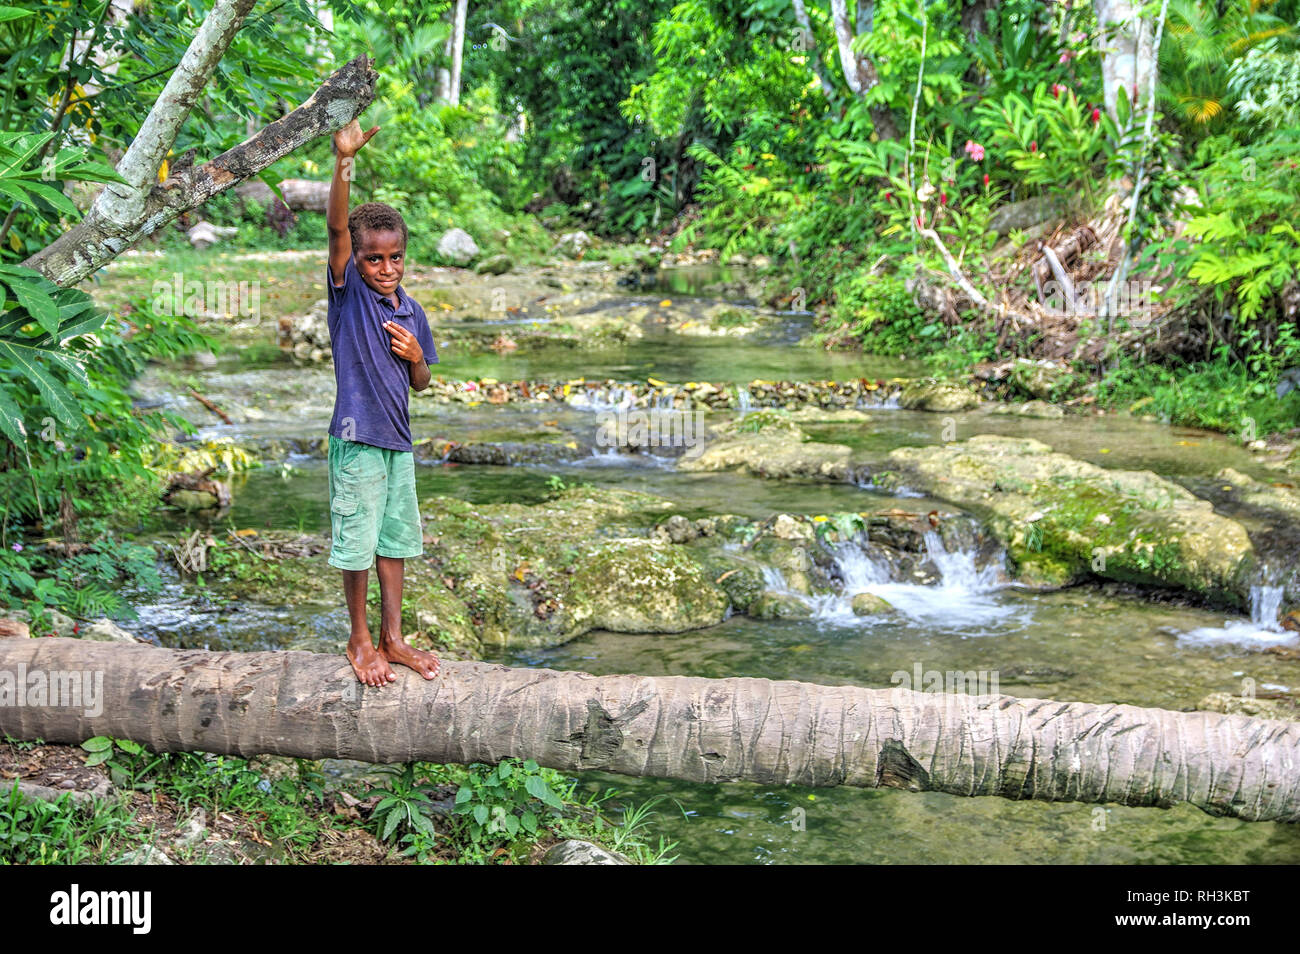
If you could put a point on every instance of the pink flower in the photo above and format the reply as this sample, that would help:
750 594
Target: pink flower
943 198
18 548
1058 89
974 150
986 180
1096 114
1066 56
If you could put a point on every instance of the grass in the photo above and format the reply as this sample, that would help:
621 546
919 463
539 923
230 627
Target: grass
288 808
1217 395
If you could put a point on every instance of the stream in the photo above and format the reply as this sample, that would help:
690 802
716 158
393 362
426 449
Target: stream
1087 643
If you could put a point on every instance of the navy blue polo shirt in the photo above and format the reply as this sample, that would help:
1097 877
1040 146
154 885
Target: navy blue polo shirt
372 400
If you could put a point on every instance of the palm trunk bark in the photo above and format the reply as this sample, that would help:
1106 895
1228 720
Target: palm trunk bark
701 730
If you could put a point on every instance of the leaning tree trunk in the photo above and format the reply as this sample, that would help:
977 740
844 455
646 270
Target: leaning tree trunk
700 730
125 212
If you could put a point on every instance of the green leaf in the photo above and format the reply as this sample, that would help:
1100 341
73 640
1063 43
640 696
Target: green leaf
13 13
540 790
464 794
512 825
390 825
51 195
100 743
133 748
60 400
529 821
11 419
40 305
480 814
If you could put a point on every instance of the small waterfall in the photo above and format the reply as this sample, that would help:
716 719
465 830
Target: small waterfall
1265 604
1262 631
965 595
958 569
744 402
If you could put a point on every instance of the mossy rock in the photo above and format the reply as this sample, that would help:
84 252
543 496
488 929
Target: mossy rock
937 396
639 586
772 605
495 265
869 604
540 575
1063 519
444 621
778 449
741 580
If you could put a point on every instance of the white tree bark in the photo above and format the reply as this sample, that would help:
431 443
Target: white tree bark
123 204
1128 56
859 72
457 51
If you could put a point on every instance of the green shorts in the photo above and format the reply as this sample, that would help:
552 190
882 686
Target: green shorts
373 510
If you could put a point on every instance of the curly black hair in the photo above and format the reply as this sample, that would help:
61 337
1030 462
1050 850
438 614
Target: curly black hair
374 217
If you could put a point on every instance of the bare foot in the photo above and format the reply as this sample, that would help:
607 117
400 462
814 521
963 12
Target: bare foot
369 664
397 650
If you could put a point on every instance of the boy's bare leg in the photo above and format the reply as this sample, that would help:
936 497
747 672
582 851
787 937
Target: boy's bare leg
391 644
370 665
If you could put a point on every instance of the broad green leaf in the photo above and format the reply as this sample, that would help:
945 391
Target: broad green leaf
481 814
43 309
11 418
60 400
390 825
53 196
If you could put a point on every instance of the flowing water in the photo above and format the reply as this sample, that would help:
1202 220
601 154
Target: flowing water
1092 644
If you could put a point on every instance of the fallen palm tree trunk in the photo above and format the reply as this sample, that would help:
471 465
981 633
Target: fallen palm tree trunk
700 730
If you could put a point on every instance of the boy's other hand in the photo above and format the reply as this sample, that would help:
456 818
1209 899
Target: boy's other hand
350 138
405 344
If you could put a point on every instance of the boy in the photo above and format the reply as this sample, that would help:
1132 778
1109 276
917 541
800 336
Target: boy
382 346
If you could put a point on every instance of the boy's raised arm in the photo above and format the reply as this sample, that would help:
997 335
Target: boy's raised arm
347 141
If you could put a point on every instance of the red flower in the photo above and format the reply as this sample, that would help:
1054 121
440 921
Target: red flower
750 166
1033 146
986 180
918 223
889 196
1057 90
943 198
1096 114
76 628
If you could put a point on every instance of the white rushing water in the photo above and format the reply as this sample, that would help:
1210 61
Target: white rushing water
964 596
1260 632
